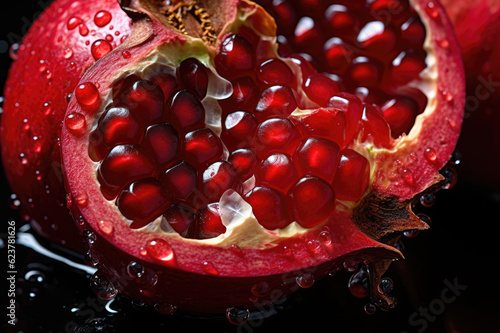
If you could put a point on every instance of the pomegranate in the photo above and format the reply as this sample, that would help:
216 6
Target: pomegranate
58 49
476 25
201 164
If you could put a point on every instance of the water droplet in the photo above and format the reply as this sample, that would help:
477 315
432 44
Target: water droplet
14 202
83 29
87 94
432 10
75 123
456 158
126 54
81 200
451 177
444 43
68 53
359 283
425 218
106 227
314 246
90 259
135 270
407 176
160 250
261 289
89 236
430 154
100 48
411 233
427 200
13 50
325 238
102 286
370 309
102 18
305 280
237 315
73 22
23 159
165 308
386 285
351 265
46 108
209 268
34 276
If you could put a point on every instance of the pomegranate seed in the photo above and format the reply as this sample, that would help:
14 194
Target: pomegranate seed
324 123
126 163
317 157
97 149
375 126
366 70
162 141
285 13
186 112
182 219
338 55
406 66
217 179
306 33
235 57
320 88
208 222
180 181
194 77
238 129
413 32
202 147
167 82
269 207
352 107
276 135
244 162
118 126
275 72
352 176
305 66
144 99
311 201
400 113
377 39
275 101
122 85
371 95
276 171
143 201
244 96
340 18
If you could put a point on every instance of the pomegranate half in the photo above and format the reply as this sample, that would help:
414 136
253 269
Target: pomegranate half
206 171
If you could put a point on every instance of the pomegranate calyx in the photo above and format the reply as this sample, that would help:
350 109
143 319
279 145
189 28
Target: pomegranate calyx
381 217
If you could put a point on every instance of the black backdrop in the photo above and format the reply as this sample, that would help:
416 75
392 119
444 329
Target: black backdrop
458 254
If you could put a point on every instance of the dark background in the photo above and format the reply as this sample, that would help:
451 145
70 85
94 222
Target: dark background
460 248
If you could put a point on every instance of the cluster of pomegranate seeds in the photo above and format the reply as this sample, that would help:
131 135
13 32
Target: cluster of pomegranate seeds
158 157
370 47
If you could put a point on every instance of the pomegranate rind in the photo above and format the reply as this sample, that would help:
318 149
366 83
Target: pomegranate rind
35 103
197 275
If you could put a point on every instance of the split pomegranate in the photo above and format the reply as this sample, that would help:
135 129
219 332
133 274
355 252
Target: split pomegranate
199 156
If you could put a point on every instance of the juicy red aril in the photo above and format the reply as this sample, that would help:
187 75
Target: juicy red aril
276 135
218 178
235 57
413 32
162 141
182 219
244 162
406 66
244 96
352 176
365 70
269 207
275 101
339 18
337 55
238 129
194 77
276 171
275 72
144 99
167 83
186 111
311 201
143 201
400 113
306 33
180 181
320 88
118 126
208 222
375 127
352 107
317 157
324 123
202 147
126 163
375 36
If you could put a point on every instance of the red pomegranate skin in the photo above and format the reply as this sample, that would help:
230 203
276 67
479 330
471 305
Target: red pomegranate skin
60 46
477 25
